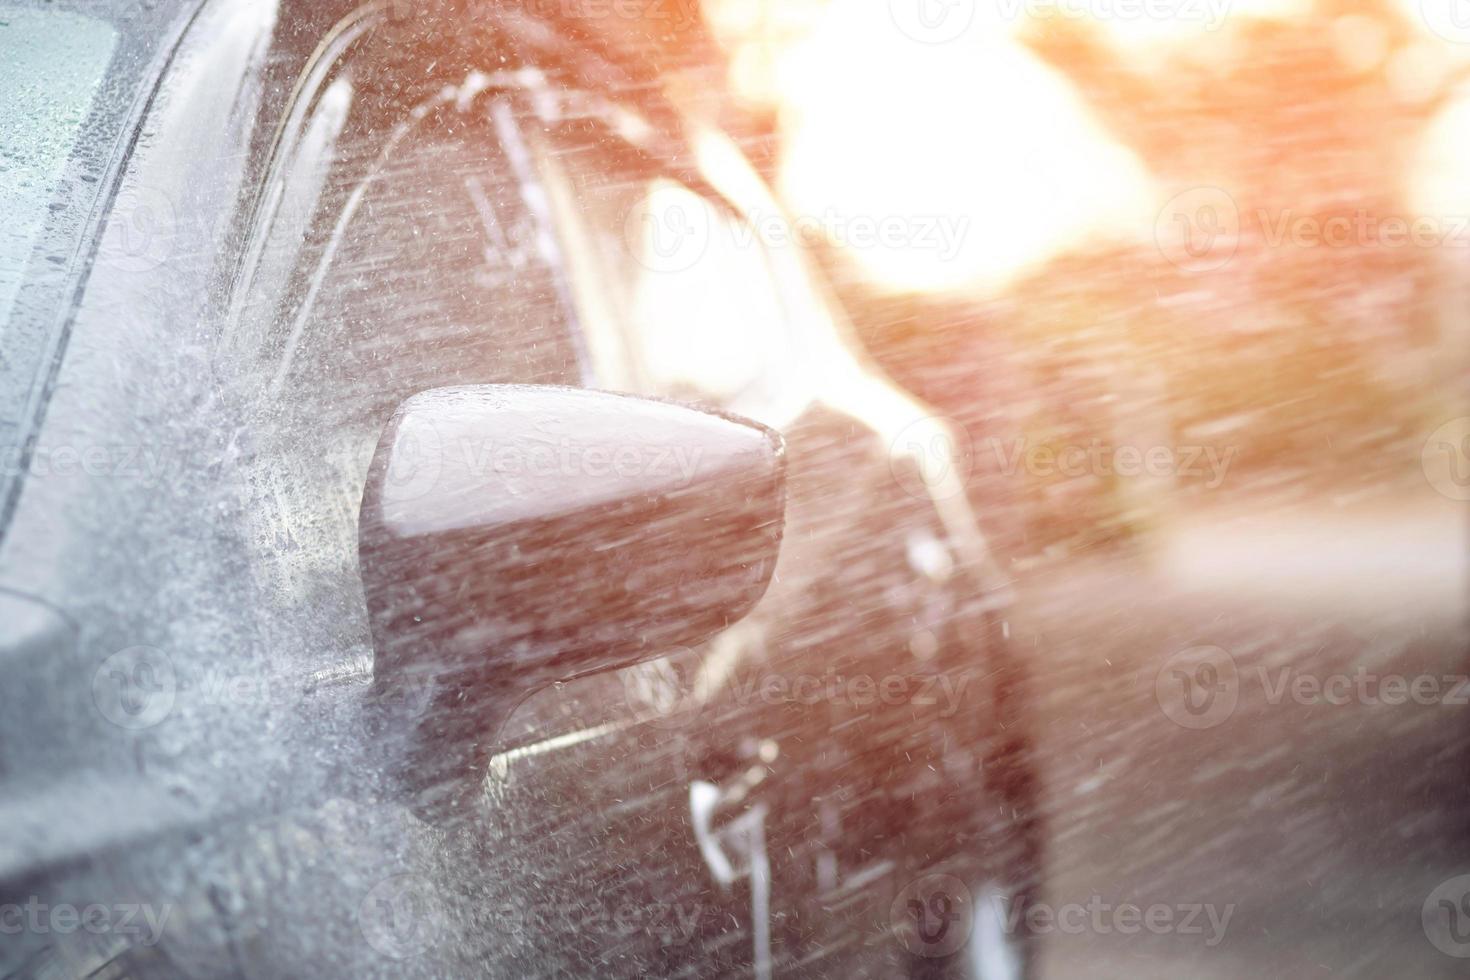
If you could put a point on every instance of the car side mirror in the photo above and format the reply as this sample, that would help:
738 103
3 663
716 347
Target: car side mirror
514 536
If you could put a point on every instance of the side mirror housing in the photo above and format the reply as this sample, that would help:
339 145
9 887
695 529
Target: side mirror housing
514 536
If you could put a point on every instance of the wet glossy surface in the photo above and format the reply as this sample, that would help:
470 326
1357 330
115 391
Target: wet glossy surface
512 536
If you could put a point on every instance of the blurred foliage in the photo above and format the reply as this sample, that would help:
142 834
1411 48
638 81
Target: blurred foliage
1322 368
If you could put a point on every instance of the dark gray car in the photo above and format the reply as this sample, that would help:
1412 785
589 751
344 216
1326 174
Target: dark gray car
491 694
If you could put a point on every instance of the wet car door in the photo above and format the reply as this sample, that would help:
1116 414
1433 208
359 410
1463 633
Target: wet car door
398 248
406 241
852 721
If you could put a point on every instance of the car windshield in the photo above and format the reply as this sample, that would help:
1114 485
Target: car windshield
703 311
54 64
681 295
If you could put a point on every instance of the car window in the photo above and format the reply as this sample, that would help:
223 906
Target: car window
403 254
682 286
51 72
702 310
70 76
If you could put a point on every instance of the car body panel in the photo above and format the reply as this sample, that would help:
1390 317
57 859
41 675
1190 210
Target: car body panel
250 813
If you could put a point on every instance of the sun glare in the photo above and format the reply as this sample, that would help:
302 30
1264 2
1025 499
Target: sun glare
983 148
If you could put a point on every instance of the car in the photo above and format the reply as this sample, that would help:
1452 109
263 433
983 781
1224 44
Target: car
443 536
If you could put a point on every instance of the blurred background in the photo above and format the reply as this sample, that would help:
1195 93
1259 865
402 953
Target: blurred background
1231 225
1192 280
